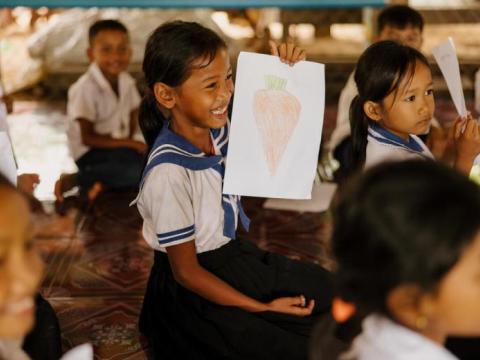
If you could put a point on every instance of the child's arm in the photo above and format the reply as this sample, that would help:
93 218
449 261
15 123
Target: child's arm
92 139
467 143
191 275
133 123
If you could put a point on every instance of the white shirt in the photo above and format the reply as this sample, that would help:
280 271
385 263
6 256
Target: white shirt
92 98
342 127
181 195
8 166
382 339
385 146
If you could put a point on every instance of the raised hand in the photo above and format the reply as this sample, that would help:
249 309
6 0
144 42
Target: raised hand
288 52
467 142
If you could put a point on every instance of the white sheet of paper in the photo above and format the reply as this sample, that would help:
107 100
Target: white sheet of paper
322 195
81 352
275 134
446 57
7 162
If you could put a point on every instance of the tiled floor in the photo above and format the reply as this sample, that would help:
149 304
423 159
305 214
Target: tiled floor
97 263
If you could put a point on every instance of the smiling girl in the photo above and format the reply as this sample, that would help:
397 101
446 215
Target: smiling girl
210 295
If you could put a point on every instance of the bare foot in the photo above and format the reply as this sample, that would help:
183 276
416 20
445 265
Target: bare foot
94 191
64 183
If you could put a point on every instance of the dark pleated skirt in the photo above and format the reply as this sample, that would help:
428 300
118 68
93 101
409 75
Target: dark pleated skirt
182 325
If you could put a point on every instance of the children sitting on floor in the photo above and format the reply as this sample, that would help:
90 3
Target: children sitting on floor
102 109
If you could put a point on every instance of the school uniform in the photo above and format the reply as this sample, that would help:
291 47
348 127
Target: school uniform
382 338
92 98
383 146
340 142
181 200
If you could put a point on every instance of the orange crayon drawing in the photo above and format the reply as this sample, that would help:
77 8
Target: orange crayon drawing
276 113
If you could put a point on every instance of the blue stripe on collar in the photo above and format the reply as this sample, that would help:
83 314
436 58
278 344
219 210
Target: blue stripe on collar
387 137
172 148
167 136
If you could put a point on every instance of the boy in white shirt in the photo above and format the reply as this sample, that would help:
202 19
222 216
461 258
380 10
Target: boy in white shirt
103 109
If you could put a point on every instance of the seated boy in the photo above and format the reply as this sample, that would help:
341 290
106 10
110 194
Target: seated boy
102 109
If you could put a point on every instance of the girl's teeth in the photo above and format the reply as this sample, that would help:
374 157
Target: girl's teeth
219 112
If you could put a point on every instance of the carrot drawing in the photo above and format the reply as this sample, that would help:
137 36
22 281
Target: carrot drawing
276 113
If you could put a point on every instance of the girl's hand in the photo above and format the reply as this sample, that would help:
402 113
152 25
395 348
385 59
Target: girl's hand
467 142
287 52
295 305
437 141
28 182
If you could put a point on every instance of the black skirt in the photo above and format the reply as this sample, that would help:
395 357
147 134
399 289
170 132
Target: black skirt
182 325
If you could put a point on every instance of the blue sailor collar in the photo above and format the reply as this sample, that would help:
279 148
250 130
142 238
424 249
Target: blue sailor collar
386 137
172 148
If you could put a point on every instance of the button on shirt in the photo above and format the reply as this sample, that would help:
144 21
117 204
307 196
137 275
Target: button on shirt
92 98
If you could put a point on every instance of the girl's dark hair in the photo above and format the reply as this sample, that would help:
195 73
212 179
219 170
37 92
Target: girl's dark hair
379 72
170 51
402 222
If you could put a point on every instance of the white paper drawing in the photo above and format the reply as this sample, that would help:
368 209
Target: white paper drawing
276 113
322 195
276 128
7 161
446 57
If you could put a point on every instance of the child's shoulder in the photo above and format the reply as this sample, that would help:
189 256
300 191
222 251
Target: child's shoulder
83 83
166 172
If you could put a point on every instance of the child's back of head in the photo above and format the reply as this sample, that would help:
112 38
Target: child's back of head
406 239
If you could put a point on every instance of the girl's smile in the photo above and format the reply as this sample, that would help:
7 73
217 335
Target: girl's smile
202 100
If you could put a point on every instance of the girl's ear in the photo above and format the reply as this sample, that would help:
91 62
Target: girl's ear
410 306
90 54
373 110
164 95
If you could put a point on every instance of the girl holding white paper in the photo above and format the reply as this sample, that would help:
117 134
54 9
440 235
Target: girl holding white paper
395 104
210 295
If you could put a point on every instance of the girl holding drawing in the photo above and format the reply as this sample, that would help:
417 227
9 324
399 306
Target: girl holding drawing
210 295
395 104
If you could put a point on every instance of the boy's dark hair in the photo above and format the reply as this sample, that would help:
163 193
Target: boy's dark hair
102 25
399 16
402 222
379 72
170 51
